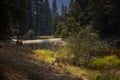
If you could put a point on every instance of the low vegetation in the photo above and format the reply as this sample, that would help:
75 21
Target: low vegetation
72 70
18 63
108 66
100 67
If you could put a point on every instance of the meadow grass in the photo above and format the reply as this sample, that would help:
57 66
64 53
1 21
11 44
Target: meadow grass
74 71
46 55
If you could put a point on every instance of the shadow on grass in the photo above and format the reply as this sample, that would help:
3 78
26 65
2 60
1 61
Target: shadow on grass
25 62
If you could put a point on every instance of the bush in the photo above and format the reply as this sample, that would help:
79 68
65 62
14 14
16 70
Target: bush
107 64
86 41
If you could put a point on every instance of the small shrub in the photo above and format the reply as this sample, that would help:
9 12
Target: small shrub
108 64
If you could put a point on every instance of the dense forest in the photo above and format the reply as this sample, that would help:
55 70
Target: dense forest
19 17
90 30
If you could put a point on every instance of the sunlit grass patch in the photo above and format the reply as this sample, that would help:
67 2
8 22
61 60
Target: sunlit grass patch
82 72
79 72
46 55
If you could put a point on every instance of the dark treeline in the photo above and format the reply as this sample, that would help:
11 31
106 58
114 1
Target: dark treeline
102 15
12 13
39 17
35 17
24 17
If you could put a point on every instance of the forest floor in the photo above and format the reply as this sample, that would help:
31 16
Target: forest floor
18 63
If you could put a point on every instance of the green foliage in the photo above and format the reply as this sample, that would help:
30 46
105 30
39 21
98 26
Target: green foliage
102 15
64 52
47 55
75 10
54 8
30 34
86 42
55 22
60 27
70 27
107 64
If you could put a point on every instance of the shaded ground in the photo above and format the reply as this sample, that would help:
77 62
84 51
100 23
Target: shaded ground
18 63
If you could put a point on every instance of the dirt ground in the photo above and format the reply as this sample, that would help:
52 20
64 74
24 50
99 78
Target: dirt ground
18 63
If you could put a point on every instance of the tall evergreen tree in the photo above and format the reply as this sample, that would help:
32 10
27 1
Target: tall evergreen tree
70 4
48 16
98 15
63 9
75 10
30 15
41 18
54 8
44 18
66 8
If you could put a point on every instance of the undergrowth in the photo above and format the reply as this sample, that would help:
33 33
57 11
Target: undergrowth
74 71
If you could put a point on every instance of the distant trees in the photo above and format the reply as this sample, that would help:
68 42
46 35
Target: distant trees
70 20
54 8
64 9
39 17
55 17
48 22
103 16
22 15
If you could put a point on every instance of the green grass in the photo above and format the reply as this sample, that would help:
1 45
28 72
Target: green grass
74 71
46 55
82 73
79 72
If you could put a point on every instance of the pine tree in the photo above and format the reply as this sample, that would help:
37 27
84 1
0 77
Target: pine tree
75 10
48 16
70 4
63 9
54 8
70 27
41 18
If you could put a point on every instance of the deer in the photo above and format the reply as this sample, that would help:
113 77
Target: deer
62 62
